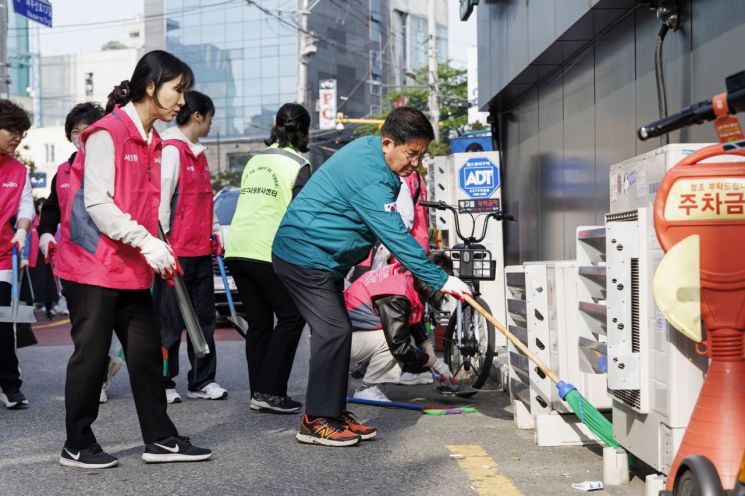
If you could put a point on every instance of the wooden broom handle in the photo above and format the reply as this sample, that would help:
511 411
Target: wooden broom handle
513 339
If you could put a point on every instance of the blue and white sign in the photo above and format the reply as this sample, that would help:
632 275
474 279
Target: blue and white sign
479 177
37 10
38 179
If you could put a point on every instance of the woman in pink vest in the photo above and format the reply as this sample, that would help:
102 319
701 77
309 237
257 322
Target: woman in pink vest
16 215
385 307
108 254
187 216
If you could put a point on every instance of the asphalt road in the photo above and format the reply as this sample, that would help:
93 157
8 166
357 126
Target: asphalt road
257 453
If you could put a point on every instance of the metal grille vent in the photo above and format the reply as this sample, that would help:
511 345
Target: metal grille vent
631 397
635 305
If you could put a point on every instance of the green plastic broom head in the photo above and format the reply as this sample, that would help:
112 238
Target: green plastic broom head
588 414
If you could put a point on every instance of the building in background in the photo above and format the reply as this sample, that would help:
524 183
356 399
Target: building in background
20 59
71 79
245 57
47 147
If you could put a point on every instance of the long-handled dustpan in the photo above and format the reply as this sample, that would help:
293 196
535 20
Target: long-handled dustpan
193 329
585 411
16 313
238 322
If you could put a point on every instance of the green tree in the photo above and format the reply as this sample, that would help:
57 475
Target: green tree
226 178
453 105
30 164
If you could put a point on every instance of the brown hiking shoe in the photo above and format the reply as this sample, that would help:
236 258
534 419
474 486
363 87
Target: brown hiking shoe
326 431
365 432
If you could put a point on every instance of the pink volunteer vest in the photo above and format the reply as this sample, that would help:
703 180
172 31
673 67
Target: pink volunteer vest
387 281
191 224
85 255
12 180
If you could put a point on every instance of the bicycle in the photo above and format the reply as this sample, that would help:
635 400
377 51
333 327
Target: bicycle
469 338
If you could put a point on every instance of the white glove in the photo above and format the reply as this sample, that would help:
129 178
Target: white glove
456 287
442 370
19 238
158 255
44 242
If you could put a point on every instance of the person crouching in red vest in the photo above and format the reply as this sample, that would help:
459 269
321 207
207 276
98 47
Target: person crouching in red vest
386 308
16 215
187 216
108 254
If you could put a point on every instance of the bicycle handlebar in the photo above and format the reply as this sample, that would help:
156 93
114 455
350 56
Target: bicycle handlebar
441 205
697 112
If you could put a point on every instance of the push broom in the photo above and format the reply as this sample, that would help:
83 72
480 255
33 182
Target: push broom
587 414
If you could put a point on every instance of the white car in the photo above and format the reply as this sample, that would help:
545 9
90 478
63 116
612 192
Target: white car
225 202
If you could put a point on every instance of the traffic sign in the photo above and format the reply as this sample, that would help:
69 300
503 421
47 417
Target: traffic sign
478 177
37 10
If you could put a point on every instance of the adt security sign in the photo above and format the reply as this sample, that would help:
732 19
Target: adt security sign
37 10
478 177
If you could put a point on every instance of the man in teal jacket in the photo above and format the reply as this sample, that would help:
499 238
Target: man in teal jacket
329 227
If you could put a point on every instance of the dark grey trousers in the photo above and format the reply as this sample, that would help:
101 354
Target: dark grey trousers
320 299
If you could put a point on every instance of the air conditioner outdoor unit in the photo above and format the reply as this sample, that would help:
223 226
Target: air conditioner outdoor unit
654 372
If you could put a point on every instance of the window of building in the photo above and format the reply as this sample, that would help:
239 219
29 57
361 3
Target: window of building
49 152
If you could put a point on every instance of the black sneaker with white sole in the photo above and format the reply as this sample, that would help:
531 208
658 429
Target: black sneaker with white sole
91 457
174 449
276 404
14 400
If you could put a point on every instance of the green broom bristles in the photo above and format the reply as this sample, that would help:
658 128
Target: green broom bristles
588 414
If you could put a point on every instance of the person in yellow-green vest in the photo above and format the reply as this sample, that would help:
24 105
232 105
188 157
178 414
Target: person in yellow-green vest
270 181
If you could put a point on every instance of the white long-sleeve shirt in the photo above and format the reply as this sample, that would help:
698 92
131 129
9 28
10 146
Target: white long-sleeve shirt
25 211
99 181
170 169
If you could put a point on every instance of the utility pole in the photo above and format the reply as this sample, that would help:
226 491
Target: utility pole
434 88
303 50
4 66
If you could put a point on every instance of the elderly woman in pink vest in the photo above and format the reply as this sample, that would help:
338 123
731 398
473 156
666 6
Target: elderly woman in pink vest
386 308
108 254
16 215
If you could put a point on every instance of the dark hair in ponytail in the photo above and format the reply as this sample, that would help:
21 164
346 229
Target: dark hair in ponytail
157 67
291 127
195 102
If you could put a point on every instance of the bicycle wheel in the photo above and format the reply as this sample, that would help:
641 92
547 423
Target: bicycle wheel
471 361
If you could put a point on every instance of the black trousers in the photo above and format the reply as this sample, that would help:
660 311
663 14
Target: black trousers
199 281
320 299
270 348
10 375
94 311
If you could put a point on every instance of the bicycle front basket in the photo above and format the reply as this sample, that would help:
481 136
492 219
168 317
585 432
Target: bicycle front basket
472 263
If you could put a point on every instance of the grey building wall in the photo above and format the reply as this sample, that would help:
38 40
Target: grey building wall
573 108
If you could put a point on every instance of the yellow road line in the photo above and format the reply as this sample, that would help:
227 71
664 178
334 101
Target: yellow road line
482 470
52 324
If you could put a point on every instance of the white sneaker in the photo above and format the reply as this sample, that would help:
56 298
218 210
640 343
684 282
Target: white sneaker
409 379
211 391
103 398
371 393
172 396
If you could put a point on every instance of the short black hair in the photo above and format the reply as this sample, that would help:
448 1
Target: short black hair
404 124
88 112
291 127
158 67
194 102
13 118
441 259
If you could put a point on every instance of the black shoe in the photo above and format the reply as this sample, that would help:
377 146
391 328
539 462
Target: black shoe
91 457
277 404
14 401
174 449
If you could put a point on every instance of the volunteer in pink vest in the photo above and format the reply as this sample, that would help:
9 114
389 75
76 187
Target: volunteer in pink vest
386 308
16 215
78 119
187 216
108 254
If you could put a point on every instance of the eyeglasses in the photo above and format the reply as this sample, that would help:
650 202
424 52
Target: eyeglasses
19 134
423 157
